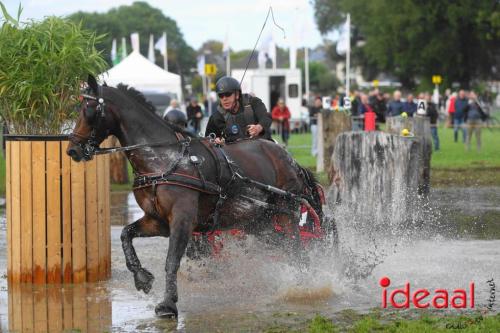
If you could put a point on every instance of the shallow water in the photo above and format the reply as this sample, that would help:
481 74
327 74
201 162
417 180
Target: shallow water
248 288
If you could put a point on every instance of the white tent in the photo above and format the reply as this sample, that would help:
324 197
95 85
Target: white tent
138 72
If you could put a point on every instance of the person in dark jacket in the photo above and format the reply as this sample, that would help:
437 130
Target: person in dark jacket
432 113
410 107
474 119
238 116
194 114
395 106
461 105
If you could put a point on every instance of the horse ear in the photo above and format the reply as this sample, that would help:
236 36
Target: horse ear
92 82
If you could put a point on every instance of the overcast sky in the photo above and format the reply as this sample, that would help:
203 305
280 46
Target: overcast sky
200 20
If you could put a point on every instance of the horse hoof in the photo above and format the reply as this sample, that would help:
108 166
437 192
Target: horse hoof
143 280
166 309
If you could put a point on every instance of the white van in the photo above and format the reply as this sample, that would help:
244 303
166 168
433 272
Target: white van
271 84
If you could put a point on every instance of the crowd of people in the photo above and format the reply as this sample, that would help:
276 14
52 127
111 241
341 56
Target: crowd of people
460 109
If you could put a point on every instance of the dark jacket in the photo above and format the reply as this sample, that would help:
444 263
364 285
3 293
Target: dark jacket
395 108
232 127
432 112
410 108
313 115
460 108
474 112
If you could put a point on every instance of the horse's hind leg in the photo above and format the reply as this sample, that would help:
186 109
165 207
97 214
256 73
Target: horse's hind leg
144 227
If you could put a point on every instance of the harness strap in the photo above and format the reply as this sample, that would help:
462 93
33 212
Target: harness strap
178 179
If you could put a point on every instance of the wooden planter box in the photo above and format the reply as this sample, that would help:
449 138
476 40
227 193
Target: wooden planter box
58 224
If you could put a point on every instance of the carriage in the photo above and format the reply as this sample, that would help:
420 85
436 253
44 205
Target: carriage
192 189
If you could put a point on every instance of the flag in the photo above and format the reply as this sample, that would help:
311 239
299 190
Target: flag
151 49
134 40
201 64
124 48
114 55
343 43
267 51
161 44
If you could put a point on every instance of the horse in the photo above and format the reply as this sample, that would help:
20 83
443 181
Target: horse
185 183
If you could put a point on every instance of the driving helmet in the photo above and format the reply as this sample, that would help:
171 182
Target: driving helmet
176 117
227 84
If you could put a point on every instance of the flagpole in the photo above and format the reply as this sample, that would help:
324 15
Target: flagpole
306 68
228 63
165 55
348 56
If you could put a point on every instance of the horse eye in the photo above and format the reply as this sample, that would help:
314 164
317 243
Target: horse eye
89 113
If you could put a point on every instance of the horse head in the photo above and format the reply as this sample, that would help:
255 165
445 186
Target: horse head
93 124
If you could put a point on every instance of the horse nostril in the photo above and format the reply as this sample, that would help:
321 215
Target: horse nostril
71 152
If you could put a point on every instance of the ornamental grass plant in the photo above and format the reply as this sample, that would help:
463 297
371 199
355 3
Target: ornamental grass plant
42 66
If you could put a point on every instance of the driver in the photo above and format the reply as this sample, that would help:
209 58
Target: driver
238 115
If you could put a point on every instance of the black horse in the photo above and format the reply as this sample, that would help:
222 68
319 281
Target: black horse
185 183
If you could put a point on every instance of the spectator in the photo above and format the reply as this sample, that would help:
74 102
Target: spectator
395 106
433 114
379 106
450 108
174 105
461 104
474 118
313 116
365 105
281 115
194 114
410 107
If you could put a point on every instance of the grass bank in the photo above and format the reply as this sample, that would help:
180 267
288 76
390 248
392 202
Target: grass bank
350 321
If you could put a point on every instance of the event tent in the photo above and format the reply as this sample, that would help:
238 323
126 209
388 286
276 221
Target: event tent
138 72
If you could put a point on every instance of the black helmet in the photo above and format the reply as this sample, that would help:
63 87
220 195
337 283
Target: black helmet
227 84
176 117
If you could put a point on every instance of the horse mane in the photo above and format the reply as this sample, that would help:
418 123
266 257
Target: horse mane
137 96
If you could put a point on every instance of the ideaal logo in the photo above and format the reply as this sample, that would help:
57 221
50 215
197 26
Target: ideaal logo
423 298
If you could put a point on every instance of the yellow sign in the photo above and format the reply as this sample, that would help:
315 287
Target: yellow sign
375 83
436 79
210 69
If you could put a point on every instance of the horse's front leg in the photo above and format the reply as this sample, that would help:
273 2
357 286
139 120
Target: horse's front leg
182 219
144 227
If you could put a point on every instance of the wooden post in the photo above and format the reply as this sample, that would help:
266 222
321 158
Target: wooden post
58 221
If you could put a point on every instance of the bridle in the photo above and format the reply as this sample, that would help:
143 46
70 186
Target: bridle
89 144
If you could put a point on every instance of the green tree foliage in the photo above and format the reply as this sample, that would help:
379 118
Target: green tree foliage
321 79
411 39
42 65
142 18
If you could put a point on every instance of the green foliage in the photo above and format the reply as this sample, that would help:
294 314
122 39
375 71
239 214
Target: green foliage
41 67
321 79
321 324
142 18
411 39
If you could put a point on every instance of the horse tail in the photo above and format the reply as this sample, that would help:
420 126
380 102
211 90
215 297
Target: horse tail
316 192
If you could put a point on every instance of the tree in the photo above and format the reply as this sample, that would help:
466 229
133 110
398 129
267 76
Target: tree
321 79
142 18
412 39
